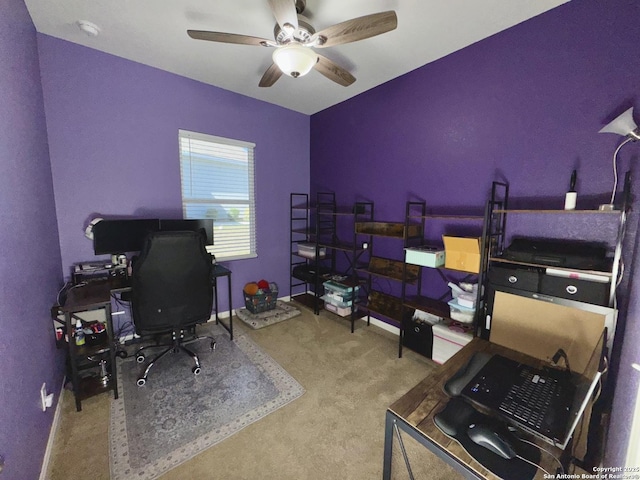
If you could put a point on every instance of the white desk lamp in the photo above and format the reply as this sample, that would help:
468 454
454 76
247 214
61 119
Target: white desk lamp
622 125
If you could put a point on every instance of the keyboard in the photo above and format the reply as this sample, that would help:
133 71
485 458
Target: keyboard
530 397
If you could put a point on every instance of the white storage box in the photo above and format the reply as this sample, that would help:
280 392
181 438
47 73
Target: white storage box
425 255
447 340
308 250
425 317
342 311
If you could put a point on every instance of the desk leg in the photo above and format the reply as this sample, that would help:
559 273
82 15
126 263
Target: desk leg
394 422
112 352
388 445
215 297
229 327
230 308
75 381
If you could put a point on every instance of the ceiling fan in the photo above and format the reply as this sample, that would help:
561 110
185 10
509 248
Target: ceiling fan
295 40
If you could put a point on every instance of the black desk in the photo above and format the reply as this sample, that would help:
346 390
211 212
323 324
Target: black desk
220 271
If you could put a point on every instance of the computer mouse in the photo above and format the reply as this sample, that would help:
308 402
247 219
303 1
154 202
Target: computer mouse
487 437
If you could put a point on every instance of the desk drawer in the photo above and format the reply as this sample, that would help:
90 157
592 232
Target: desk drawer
573 289
527 279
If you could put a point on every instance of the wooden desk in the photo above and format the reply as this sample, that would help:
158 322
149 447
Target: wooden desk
413 414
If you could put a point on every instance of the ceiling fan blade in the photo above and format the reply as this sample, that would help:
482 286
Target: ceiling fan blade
334 72
285 13
356 29
230 38
271 76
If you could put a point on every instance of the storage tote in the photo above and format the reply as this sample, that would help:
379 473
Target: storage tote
263 300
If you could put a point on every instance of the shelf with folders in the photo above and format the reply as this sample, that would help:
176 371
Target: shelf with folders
436 300
318 253
385 306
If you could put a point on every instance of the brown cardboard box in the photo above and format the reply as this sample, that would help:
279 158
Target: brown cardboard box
539 328
462 253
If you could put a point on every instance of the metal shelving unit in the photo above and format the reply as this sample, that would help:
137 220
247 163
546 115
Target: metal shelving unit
387 307
319 224
419 299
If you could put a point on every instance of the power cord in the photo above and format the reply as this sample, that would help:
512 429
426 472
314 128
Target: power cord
561 354
542 450
534 464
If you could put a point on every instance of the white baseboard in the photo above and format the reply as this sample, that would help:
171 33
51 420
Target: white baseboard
384 326
373 320
52 434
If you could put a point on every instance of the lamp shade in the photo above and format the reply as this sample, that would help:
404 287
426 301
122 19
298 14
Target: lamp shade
622 125
294 59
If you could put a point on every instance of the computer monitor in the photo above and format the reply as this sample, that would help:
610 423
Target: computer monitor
121 236
192 225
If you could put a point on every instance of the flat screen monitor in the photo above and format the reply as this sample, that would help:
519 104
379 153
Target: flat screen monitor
121 236
192 225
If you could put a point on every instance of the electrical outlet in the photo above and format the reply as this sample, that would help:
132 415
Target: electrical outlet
43 397
45 400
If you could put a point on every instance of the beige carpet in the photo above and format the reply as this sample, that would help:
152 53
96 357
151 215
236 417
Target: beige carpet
334 431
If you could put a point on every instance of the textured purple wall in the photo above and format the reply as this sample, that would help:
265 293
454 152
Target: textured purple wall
113 132
30 266
523 105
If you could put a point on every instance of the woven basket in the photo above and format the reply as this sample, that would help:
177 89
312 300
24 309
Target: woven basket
262 301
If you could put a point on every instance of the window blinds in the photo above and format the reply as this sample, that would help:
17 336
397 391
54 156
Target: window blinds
217 177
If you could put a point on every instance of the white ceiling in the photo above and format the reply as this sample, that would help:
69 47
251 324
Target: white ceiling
153 32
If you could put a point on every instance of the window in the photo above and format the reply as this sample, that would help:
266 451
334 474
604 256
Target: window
217 177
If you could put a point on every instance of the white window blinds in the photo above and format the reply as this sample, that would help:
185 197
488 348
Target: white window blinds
217 176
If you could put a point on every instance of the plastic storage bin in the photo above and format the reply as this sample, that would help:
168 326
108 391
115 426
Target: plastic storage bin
342 311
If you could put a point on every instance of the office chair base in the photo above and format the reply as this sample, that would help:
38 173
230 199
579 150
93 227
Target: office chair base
178 344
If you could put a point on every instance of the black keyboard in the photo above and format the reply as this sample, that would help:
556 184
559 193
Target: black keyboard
529 398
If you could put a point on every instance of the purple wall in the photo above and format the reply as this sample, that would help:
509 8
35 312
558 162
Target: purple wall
524 105
113 139
30 266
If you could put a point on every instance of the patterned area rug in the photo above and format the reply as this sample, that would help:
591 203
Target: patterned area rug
283 311
176 415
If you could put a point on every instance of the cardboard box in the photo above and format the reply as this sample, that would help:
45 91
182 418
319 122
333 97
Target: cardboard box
425 255
462 253
539 328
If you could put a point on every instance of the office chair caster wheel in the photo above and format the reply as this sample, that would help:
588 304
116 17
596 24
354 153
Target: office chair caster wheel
140 359
196 370
141 382
122 354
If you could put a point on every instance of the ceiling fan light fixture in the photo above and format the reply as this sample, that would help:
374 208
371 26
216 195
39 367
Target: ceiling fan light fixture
89 28
294 59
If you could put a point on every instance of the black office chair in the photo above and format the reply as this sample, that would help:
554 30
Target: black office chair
171 293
